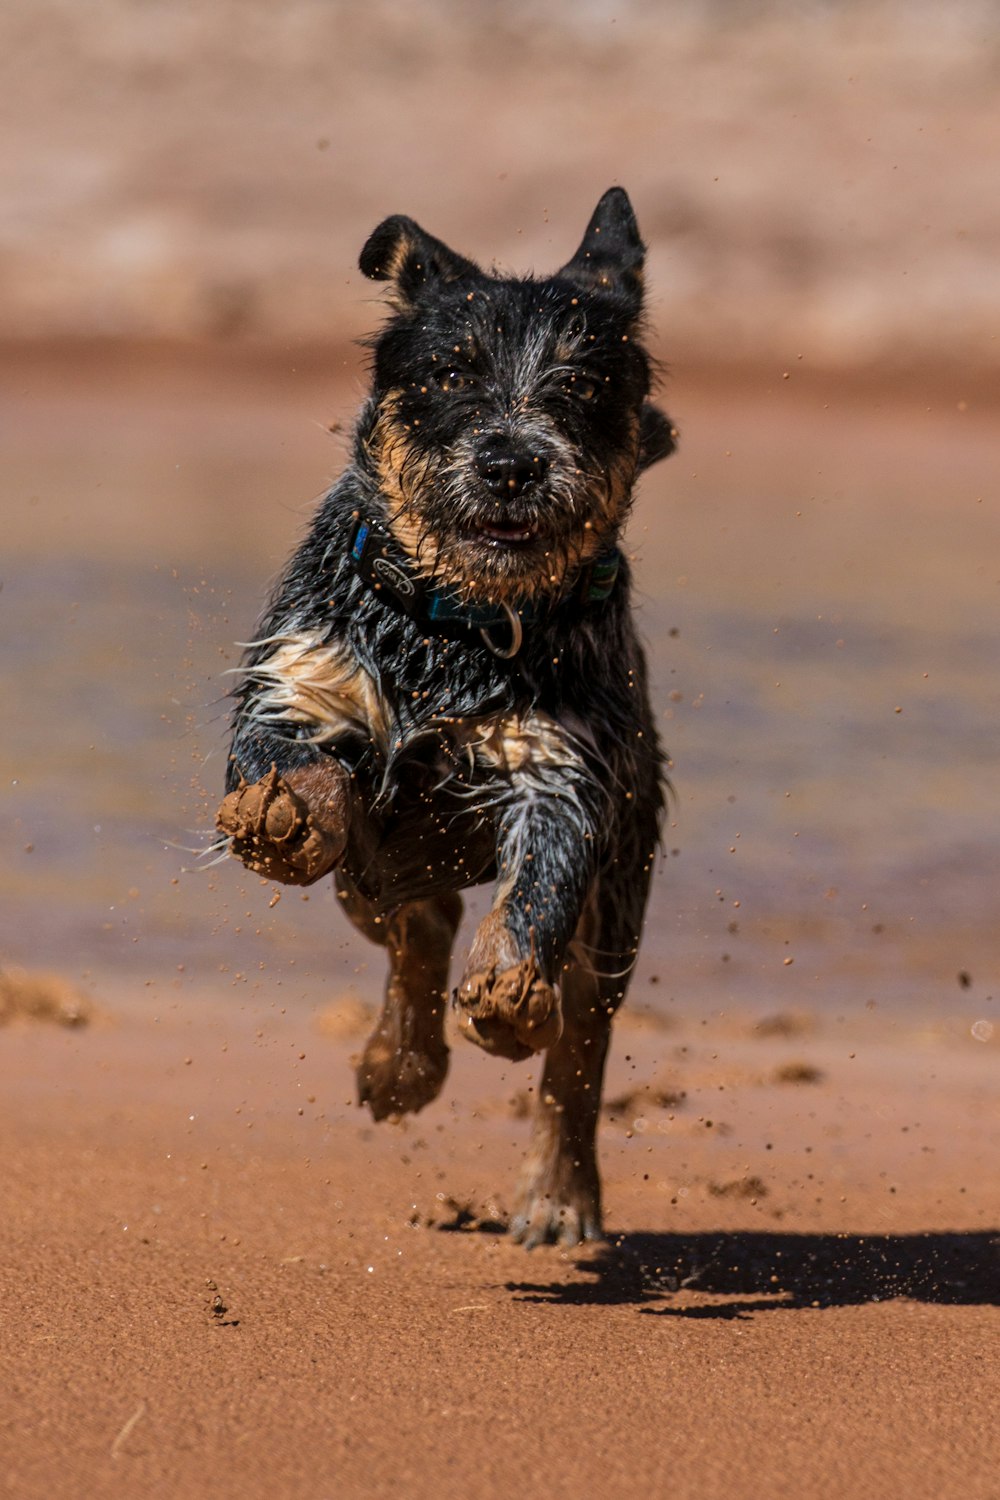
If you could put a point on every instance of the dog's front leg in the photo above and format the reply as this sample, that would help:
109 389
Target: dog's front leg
289 798
507 1000
289 826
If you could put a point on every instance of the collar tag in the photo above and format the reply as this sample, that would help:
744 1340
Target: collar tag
361 534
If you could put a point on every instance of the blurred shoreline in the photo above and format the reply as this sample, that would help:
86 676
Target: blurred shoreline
184 362
811 179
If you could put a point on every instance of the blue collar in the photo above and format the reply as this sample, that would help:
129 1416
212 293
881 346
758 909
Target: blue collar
383 565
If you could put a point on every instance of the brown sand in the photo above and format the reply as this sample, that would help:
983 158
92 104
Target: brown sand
219 1278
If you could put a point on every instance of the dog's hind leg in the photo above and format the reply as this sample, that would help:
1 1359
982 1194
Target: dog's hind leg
406 1057
559 1196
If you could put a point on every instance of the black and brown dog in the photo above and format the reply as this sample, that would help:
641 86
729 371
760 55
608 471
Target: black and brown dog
447 687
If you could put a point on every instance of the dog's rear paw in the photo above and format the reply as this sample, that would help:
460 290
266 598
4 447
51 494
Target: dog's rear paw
396 1082
275 833
555 1219
511 1013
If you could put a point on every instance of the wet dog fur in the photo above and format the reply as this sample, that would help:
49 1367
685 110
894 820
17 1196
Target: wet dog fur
468 703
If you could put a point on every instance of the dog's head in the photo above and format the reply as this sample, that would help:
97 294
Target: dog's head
509 417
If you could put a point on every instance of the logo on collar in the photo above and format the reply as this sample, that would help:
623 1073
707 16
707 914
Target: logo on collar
392 575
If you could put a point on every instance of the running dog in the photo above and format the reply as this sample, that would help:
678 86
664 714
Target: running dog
447 687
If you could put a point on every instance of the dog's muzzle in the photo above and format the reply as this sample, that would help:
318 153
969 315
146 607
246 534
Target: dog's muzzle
507 469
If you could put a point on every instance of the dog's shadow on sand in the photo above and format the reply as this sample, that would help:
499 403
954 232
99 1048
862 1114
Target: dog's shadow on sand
749 1272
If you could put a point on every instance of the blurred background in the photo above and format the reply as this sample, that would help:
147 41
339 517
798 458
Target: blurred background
185 189
813 178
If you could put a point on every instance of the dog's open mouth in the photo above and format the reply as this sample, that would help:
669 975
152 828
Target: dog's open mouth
509 533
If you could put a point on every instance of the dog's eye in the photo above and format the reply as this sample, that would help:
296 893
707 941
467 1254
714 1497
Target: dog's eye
454 380
582 388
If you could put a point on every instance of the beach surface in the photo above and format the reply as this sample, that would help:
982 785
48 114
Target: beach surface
220 1279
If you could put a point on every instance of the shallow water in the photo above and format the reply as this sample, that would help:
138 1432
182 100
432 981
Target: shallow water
818 575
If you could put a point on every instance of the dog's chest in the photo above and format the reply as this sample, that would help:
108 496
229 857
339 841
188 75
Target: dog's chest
433 810
322 688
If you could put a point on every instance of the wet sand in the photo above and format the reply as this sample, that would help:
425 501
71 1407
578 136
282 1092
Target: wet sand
220 1278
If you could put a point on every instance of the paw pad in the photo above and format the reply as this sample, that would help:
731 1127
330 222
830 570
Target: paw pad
511 1012
274 832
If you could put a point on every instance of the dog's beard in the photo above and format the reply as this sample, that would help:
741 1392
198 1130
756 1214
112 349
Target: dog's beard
530 547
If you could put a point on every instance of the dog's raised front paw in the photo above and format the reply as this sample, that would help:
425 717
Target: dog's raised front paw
511 1012
275 832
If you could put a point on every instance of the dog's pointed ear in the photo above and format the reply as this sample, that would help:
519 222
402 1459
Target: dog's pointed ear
657 436
611 253
401 252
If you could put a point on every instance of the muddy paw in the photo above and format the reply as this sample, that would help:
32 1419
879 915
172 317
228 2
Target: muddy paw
275 833
392 1082
511 1013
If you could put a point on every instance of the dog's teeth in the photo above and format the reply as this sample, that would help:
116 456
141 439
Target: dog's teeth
509 533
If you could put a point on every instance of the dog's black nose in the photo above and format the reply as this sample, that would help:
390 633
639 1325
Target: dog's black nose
507 471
